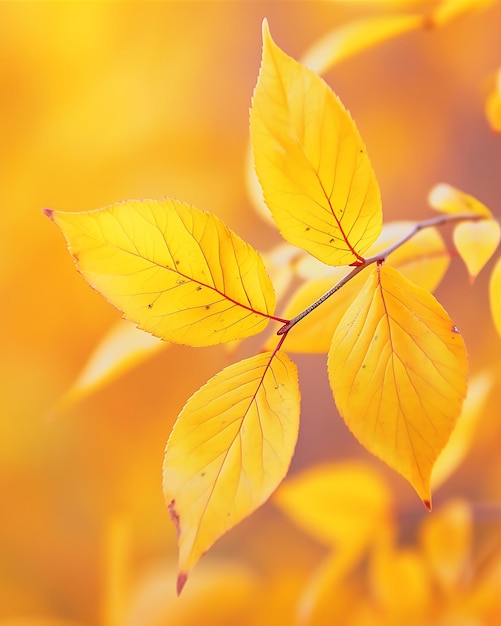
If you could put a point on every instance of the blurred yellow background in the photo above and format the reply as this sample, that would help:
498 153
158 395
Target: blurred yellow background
107 101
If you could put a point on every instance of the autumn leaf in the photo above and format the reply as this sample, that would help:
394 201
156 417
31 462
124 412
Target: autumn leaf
476 243
447 540
463 434
177 272
123 347
342 505
448 199
400 585
351 38
229 449
495 295
311 162
397 368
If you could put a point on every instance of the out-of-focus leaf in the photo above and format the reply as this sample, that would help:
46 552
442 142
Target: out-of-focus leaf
397 368
423 260
446 538
461 439
495 295
349 39
400 585
311 162
121 349
447 199
254 188
343 505
493 105
222 594
449 10
476 242
330 580
229 450
177 272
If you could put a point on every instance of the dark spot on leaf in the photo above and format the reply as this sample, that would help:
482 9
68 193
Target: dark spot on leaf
202 474
178 262
150 305
307 228
331 240
199 288
364 366
174 515
207 306
361 151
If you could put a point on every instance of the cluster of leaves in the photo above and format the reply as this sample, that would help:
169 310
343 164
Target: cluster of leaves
397 363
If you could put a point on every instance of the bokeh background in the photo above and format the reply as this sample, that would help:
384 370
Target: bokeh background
107 101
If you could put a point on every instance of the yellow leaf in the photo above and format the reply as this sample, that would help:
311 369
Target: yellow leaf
493 105
476 243
447 542
449 10
343 505
311 162
397 368
448 199
229 450
122 348
461 439
400 585
177 272
349 39
495 295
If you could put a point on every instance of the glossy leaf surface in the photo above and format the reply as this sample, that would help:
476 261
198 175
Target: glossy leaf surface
229 450
397 368
177 272
311 162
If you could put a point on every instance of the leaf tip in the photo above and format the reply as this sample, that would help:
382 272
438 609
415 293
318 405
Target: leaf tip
181 582
49 213
427 504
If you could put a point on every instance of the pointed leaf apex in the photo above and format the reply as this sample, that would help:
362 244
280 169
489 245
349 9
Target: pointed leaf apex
427 504
49 213
181 581
265 28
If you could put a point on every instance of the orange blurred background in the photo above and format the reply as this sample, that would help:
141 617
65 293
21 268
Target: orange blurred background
109 101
